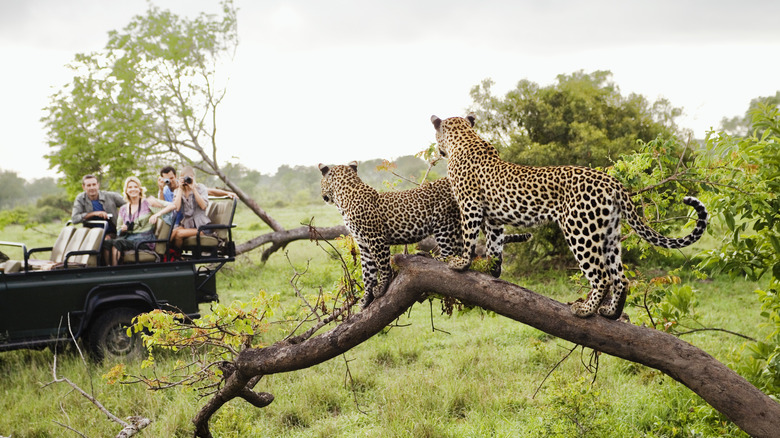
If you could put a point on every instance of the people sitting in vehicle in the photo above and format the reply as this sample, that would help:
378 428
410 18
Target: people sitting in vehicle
191 199
94 204
167 183
137 219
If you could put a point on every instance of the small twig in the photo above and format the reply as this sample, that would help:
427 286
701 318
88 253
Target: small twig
709 329
433 327
348 378
68 427
553 369
406 179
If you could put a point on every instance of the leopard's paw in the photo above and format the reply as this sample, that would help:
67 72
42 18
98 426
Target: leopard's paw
608 310
459 263
579 308
367 299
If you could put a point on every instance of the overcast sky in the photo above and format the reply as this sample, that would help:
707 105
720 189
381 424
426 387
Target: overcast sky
334 81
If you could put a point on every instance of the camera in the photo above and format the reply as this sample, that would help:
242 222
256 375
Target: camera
167 181
187 180
130 226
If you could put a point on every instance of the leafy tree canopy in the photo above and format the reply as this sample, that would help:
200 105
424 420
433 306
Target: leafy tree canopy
741 125
582 119
149 97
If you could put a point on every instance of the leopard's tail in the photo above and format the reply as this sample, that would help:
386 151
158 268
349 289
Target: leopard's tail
517 238
644 231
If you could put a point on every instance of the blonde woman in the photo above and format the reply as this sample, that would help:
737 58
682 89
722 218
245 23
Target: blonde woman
135 222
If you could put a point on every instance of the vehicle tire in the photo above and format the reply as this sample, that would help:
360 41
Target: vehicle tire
108 338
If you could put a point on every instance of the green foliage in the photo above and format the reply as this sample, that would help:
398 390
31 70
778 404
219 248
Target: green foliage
150 92
18 216
746 198
748 169
211 340
742 126
582 119
665 304
575 408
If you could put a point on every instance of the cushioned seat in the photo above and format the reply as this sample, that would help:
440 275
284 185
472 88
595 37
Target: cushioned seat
11 266
67 240
84 248
221 212
57 251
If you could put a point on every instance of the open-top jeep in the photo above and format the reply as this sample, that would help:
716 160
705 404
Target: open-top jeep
72 295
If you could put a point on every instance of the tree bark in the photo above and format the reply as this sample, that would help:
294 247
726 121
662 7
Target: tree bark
280 239
726 391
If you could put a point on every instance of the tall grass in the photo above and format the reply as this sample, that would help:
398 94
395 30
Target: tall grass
470 375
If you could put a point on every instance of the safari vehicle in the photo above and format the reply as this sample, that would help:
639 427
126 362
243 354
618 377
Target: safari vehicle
72 296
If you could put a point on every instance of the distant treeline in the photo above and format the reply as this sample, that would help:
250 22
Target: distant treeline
290 185
300 185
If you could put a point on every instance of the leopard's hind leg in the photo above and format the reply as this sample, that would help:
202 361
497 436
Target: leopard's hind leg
494 243
612 306
471 219
585 236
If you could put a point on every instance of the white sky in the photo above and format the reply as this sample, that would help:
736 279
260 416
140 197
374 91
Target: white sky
334 81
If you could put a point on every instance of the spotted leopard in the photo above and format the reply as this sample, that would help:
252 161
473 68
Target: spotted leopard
585 203
377 220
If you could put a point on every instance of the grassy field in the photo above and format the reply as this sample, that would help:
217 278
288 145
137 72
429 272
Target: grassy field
470 375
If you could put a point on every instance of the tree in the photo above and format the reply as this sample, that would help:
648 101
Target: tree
150 97
740 126
581 120
13 189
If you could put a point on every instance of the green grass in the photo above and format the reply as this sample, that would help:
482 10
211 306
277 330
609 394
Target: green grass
470 375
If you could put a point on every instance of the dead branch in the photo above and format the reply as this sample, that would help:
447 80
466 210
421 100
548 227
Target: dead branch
280 239
128 429
729 393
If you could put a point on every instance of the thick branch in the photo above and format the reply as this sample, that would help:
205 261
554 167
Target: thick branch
726 391
281 238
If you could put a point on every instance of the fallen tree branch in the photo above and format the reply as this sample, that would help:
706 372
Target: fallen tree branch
726 391
280 239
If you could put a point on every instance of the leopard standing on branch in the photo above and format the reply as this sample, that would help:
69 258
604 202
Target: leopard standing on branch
585 203
377 220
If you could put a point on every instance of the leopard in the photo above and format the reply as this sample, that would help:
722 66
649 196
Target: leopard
379 219
585 203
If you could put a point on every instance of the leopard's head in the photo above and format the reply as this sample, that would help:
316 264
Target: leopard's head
331 177
450 131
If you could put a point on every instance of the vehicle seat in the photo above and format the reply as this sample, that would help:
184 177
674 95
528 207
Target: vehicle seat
221 212
57 251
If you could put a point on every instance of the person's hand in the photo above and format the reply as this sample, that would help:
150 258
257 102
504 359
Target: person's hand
123 229
153 218
232 195
100 214
160 182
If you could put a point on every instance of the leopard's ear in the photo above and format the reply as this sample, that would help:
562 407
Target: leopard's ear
436 122
324 169
353 165
471 117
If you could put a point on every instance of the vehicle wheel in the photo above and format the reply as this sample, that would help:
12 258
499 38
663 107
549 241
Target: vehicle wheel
108 336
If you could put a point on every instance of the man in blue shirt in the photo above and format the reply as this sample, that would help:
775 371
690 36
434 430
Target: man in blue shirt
95 204
167 184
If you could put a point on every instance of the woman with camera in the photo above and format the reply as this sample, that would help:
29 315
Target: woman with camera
191 199
136 218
